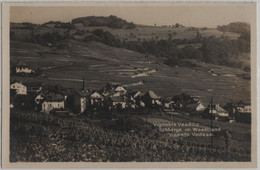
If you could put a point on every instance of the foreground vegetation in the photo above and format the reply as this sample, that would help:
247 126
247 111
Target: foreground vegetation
39 137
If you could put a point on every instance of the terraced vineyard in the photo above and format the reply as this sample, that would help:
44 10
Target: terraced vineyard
101 64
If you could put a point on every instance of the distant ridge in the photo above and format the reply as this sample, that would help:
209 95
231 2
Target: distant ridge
111 21
237 27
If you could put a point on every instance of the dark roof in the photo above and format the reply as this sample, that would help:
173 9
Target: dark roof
83 93
17 82
192 106
241 104
54 100
168 99
20 63
33 84
52 97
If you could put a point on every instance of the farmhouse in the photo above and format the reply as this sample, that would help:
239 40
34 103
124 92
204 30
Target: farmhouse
216 110
195 107
242 112
241 107
19 88
21 67
96 99
150 99
52 101
50 104
81 100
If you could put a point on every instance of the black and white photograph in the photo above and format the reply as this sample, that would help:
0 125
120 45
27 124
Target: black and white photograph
134 82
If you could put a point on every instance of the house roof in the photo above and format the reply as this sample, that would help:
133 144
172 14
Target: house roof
152 95
241 104
18 83
192 106
54 100
21 63
139 93
120 93
33 84
96 95
168 99
54 97
83 93
120 89
216 107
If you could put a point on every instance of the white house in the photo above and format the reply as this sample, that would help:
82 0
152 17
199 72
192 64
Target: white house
216 109
21 67
19 88
49 105
243 108
195 107
247 109
51 101
96 99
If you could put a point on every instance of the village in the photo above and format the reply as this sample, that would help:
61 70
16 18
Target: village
114 99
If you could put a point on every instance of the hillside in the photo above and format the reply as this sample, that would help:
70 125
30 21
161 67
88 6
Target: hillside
102 64
237 27
169 60
171 43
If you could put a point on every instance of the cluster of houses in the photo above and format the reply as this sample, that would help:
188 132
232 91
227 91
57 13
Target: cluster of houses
49 98
117 97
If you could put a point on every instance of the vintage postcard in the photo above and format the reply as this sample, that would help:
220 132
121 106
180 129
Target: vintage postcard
129 85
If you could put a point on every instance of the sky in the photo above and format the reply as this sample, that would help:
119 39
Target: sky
197 15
